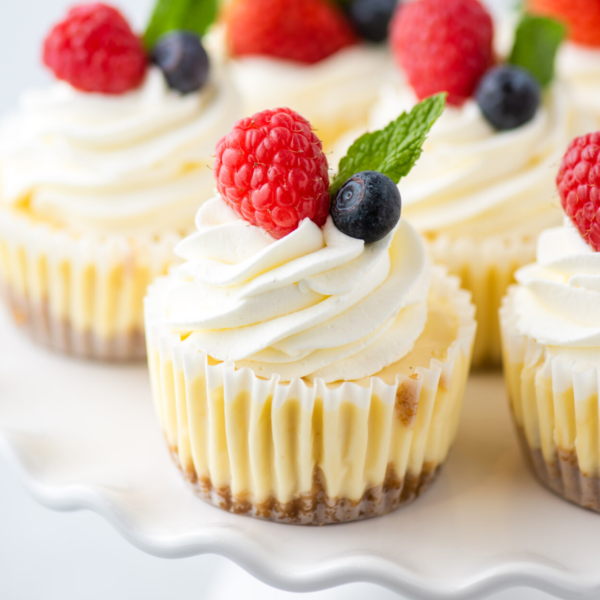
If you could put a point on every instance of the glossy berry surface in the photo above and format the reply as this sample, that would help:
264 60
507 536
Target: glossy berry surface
443 46
508 97
367 206
95 50
183 60
305 31
578 183
371 18
581 16
272 171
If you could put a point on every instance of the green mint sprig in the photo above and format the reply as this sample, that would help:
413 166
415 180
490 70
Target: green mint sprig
395 149
537 40
191 15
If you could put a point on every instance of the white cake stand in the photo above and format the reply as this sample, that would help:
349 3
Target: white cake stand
83 435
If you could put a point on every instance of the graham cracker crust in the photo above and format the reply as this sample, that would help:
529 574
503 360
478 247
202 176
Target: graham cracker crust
563 476
59 334
316 507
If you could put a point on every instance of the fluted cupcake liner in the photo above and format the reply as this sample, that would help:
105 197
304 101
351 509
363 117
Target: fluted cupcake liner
486 268
554 402
79 294
308 453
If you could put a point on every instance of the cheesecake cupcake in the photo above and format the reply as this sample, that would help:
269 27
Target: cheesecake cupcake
551 338
312 56
578 61
307 362
100 175
481 193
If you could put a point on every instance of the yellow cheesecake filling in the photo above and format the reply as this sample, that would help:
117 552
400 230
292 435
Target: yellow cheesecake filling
485 268
81 293
554 419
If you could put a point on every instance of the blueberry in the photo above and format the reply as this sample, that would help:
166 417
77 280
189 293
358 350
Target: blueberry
508 97
371 18
183 60
367 206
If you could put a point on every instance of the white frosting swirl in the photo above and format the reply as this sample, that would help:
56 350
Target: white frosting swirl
558 299
579 67
334 94
314 304
474 181
138 162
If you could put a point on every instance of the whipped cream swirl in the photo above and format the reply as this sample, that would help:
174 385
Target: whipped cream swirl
314 304
579 67
558 299
139 162
327 93
473 181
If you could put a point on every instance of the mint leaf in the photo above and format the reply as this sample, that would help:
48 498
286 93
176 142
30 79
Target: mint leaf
395 149
536 43
191 15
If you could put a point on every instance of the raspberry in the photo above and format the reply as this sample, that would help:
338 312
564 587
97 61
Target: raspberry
272 171
582 17
306 31
578 182
443 46
95 50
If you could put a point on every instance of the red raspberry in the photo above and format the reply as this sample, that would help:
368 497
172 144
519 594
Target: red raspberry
443 46
95 50
272 171
581 16
306 31
578 182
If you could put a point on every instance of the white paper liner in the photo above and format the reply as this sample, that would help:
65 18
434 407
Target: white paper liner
301 453
486 268
554 400
80 294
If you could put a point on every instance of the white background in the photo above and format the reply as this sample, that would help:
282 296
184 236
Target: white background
77 556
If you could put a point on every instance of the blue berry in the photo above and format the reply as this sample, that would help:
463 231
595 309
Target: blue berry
371 18
183 60
508 97
367 206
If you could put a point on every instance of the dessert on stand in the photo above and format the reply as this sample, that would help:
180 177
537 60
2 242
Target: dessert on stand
578 62
551 337
100 174
481 194
326 60
483 527
307 363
